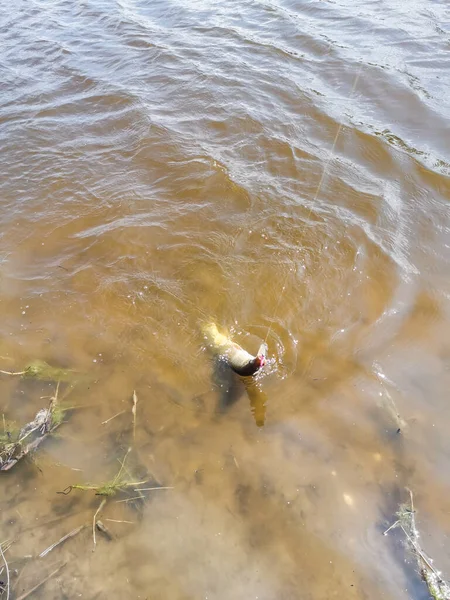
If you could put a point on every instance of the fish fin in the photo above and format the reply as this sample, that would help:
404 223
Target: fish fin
262 350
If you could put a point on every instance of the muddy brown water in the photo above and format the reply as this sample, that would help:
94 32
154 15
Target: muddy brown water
281 168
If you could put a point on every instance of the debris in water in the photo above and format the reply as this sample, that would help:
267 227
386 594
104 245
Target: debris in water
122 483
103 529
39 369
15 444
437 587
133 412
113 417
69 535
94 520
118 484
388 403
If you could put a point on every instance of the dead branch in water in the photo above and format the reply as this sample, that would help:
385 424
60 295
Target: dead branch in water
71 534
12 372
113 417
94 520
14 445
39 369
133 412
119 521
437 587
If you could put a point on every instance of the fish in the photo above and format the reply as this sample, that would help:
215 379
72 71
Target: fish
239 360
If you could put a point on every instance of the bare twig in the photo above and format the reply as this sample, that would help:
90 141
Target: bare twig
122 467
393 526
118 521
52 574
417 549
142 483
113 417
129 499
159 487
133 411
71 534
13 372
6 545
413 518
140 490
94 520
7 572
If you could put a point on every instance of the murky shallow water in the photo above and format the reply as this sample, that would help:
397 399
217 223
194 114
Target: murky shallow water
281 168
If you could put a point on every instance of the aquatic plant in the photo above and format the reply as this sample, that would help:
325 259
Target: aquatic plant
39 369
119 483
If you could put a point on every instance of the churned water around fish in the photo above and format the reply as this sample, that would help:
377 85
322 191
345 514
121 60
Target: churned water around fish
281 169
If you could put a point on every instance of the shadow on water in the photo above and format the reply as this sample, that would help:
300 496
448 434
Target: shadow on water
258 400
228 385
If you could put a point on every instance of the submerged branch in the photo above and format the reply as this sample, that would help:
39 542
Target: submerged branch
12 372
39 369
94 520
133 412
15 445
437 587
71 534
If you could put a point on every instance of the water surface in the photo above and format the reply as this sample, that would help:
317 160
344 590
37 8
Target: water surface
281 168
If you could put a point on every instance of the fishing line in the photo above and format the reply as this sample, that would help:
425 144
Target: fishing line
316 195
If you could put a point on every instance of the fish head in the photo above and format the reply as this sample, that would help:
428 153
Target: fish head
261 356
260 361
